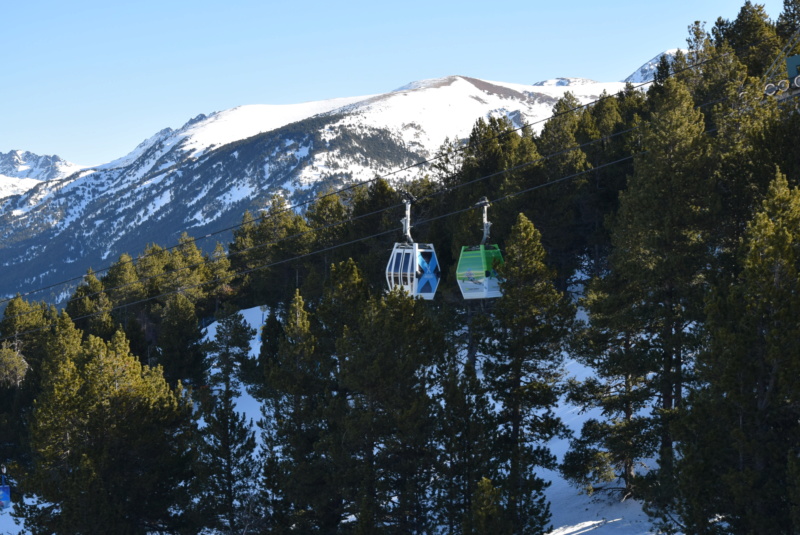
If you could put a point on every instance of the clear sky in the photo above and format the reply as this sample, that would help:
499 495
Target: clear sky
89 80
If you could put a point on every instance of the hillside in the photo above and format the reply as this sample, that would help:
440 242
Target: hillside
201 177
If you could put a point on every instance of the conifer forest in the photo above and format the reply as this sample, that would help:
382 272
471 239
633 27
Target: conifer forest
653 236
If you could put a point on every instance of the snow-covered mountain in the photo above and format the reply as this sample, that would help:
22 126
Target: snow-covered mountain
21 171
647 72
204 175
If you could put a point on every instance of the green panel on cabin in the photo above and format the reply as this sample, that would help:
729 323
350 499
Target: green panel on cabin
475 273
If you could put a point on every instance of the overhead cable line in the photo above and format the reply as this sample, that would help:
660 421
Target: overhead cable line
336 192
442 191
328 248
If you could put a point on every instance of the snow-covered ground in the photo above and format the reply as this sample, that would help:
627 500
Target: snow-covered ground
15 186
573 513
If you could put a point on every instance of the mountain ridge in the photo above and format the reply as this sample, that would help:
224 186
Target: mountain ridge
202 176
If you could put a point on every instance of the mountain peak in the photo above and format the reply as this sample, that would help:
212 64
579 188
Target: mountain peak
23 170
430 83
646 73
19 164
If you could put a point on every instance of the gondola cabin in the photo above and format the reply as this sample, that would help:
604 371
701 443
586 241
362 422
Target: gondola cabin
413 266
477 278
475 273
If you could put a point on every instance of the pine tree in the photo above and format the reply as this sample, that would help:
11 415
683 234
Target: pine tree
220 278
91 308
345 295
280 235
179 346
187 270
465 436
127 293
151 267
523 342
239 252
227 467
487 512
24 329
599 132
789 21
122 283
661 241
300 471
385 361
752 36
371 216
325 217
13 366
557 207
271 334
110 442
609 449
739 446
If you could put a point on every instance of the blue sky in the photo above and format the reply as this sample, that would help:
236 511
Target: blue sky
90 79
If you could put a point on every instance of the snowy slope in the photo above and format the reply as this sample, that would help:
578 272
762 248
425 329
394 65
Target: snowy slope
646 72
15 186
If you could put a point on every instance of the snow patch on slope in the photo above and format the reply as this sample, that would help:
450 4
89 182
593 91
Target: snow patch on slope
16 186
246 121
647 72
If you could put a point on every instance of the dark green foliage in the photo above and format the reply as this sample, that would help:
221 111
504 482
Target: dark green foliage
660 237
752 36
228 473
384 360
13 366
325 219
382 414
178 348
612 448
271 334
789 21
557 209
300 473
262 253
109 440
466 437
374 221
745 413
524 339
22 327
599 133
91 308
